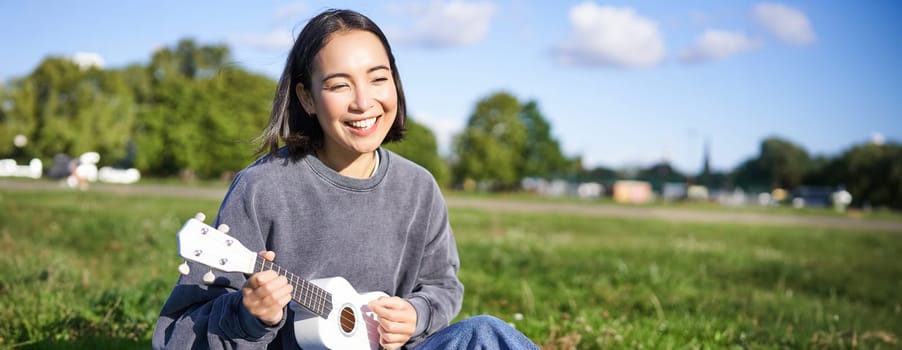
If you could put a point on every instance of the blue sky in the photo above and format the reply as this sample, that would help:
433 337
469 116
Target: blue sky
622 83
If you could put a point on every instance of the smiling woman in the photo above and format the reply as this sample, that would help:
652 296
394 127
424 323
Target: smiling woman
353 97
344 74
334 208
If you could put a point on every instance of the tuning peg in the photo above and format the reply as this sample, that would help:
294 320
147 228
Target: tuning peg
223 228
184 269
200 216
209 277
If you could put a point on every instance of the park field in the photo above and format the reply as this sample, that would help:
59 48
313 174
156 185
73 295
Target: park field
91 270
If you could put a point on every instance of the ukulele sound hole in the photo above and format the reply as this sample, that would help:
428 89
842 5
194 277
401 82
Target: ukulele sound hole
348 319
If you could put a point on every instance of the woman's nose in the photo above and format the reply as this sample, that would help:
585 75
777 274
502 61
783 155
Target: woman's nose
363 99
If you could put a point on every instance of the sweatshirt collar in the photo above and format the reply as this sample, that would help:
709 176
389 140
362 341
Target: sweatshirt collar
330 175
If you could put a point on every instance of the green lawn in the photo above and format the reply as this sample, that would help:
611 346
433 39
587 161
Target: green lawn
91 270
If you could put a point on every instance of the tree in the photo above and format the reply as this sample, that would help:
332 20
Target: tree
197 115
750 177
16 118
163 130
659 174
599 174
873 174
420 146
784 161
505 141
189 60
490 148
780 164
824 171
63 108
542 156
235 107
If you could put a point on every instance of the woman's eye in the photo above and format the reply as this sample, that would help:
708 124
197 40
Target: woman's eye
380 80
337 87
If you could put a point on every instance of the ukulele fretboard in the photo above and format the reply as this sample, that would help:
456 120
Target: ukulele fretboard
308 295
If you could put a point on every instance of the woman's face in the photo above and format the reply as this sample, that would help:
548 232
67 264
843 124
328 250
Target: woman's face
352 93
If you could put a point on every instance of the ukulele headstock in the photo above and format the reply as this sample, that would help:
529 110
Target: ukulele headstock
201 243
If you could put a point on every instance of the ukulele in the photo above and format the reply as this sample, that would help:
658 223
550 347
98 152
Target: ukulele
328 312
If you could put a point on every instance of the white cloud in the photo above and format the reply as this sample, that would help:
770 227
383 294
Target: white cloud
878 138
444 129
279 39
786 23
447 24
718 44
611 36
85 60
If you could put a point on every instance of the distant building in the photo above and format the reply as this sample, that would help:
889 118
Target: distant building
812 196
559 188
590 190
673 191
697 193
632 192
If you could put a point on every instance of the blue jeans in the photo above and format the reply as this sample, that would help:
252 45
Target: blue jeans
478 332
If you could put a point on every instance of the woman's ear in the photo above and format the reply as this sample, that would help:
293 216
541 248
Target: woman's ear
305 98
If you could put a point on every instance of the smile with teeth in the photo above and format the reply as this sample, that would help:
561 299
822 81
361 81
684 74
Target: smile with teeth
362 124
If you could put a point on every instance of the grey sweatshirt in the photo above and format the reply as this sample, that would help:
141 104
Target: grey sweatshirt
387 233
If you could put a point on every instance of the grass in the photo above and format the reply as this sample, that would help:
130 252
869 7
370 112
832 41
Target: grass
91 270
86 265
626 283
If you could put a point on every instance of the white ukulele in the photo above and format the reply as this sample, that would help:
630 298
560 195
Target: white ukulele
329 313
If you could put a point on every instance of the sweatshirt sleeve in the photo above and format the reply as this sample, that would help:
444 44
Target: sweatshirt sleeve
438 295
211 316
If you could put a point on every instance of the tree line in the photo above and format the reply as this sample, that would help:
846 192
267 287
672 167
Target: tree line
192 112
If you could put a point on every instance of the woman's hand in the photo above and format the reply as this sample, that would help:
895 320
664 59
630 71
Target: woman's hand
266 294
397 321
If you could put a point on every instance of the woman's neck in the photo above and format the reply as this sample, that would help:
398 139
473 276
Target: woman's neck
358 166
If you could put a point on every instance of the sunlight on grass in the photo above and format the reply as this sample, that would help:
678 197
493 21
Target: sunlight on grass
91 270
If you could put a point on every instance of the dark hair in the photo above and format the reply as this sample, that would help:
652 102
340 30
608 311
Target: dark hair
288 121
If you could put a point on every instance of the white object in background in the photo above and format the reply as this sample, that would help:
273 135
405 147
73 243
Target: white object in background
120 176
85 171
8 167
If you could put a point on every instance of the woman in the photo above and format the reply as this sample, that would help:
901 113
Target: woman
332 202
